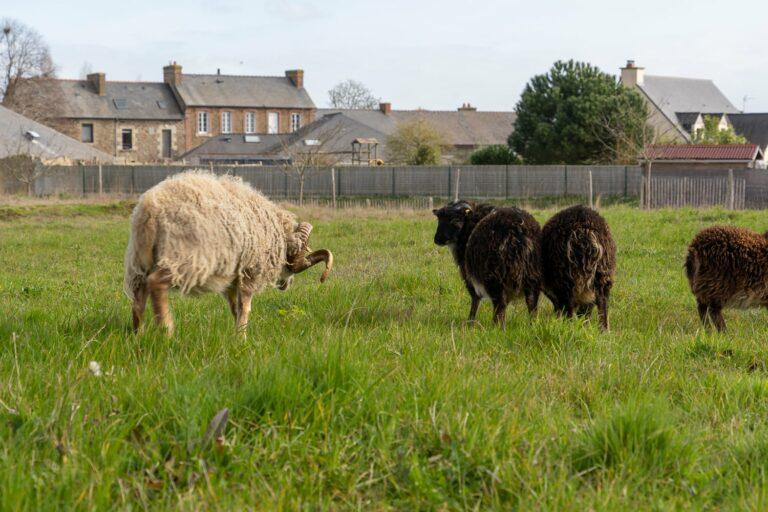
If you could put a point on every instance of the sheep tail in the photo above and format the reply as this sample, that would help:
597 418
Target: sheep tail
139 256
584 252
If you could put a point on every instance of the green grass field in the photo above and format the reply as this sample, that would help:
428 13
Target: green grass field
369 392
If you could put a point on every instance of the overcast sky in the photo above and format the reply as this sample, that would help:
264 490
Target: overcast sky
414 53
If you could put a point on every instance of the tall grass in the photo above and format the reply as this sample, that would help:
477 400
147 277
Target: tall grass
370 391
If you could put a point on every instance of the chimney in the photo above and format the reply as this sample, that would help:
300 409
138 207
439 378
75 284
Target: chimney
172 74
99 83
296 76
385 108
632 75
467 107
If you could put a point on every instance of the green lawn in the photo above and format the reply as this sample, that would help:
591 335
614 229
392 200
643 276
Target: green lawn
369 392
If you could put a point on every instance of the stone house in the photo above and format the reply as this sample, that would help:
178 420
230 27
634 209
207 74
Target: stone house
132 121
220 104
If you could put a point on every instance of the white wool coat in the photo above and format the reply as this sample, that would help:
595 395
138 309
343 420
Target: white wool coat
208 231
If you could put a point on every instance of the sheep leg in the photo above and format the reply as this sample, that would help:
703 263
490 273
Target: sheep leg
703 312
500 313
231 295
602 311
158 283
532 299
716 315
584 310
244 298
140 294
474 305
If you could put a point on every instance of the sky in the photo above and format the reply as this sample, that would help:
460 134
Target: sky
412 53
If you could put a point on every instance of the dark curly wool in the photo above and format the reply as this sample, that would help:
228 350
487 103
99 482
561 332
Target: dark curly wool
578 262
727 267
497 251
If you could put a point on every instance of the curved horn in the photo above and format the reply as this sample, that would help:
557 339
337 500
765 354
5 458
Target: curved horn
302 232
313 259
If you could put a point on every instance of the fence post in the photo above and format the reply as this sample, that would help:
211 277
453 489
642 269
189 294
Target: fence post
642 191
101 182
82 172
626 173
731 190
506 181
430 203
456 186
450 171
333 187
589 177
565 180
393 182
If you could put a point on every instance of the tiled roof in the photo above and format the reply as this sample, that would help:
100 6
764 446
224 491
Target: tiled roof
48 145
723 152
123 100
242 91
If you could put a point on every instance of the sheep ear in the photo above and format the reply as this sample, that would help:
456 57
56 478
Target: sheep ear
434 212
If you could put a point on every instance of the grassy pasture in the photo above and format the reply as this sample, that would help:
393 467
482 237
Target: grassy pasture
369 392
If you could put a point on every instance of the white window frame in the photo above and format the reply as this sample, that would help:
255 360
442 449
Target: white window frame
276 117
295 121
203 122
226 126
250 122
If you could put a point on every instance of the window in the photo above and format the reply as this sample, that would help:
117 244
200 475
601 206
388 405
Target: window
272 123
86 132
250 122
202 122
226 122
127 138
295 121
120 103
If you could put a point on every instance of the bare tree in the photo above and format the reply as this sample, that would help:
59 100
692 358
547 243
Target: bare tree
27 72
629 137
352 94
85 70
308 150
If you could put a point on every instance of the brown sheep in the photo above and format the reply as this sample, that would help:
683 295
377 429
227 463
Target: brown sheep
727 267
578 262
497 251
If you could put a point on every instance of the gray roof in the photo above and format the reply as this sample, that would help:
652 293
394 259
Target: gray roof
687 119
673 94
49 145
754 127
458 127
138 100
235 147
338 130
242 91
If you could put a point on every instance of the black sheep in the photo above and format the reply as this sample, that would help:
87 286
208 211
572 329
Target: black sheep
497 251
727 267
578 262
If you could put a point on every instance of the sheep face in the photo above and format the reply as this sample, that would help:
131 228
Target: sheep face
450 221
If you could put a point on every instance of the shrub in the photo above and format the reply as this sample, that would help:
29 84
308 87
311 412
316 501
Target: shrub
496 154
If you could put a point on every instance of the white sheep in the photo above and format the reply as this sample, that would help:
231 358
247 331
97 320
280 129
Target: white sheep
197 232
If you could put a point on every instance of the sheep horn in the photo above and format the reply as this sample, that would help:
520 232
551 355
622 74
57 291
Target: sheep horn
303 231
313 259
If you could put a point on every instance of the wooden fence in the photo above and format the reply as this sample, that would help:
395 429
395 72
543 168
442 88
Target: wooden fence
700 191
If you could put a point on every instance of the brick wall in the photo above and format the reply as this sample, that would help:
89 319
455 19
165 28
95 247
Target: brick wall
193 139
147 137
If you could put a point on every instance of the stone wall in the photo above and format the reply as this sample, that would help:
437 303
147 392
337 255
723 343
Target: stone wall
147 137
